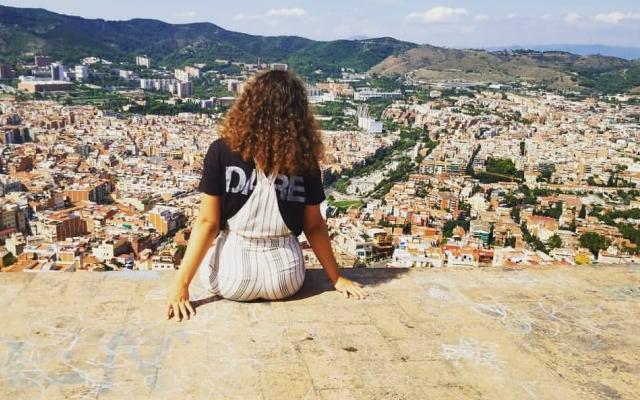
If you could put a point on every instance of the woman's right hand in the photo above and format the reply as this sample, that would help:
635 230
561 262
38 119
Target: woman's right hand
348 287
179 304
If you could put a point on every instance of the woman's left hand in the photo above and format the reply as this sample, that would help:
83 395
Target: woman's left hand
179 304
348 287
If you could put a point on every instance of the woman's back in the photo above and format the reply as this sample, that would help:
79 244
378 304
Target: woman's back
259 217
257 255
226 174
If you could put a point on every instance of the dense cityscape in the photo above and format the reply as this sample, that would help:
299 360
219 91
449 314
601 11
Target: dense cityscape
101 161
479 188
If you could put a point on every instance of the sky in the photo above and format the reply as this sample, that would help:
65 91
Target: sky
463 23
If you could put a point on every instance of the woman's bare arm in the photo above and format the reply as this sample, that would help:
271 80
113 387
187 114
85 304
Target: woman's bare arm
315 229
204 230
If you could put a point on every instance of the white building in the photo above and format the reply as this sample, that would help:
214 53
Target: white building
366 122
235 86
95 60
162 85
369 94
408 255
370 125
181 75
478 204
159 263
278 67
143 61
462 257
124 74
208 103
193 72
82 72
317 96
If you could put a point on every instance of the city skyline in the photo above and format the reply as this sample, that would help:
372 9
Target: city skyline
452 24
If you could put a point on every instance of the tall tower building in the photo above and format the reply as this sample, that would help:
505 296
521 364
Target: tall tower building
57 71
6 72
185 89
41 61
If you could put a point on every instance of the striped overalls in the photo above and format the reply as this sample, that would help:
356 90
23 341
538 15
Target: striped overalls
257 255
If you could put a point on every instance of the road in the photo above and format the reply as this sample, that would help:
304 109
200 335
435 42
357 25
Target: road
411 153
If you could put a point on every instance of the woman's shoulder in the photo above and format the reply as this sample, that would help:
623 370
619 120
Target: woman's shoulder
314 172
219 149
223 151
219 144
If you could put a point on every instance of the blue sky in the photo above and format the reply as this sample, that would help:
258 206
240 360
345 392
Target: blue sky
470 23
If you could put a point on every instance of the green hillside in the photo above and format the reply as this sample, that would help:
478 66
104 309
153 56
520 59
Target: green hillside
24 32
556 69
27 31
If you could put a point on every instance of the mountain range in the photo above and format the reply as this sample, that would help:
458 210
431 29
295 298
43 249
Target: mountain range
24 30
628 53
555 69
27 31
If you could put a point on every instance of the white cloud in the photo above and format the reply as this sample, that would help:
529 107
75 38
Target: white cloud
186 14
615 17
481 17
572 18
246 17
512 16
286 12
439 14
387 2
272 15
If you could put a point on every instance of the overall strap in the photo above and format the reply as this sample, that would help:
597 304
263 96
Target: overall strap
271 178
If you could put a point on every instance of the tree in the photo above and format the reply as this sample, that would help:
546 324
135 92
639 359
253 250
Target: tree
545 175
533 240
9 259
510 242
491 235
181 250
594 242
572 226
583 212
449 226
498 169
341 185
554 242
555 211
515 214
522 148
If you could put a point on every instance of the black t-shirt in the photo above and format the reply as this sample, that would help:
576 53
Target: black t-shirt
227 175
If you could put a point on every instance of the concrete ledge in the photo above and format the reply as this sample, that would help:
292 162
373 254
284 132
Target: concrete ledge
422 334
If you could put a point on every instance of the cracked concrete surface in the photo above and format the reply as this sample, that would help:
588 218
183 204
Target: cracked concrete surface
422 334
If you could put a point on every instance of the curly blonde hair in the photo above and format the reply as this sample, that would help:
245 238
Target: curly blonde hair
272 122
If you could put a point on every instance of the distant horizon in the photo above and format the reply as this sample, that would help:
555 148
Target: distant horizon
465 24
